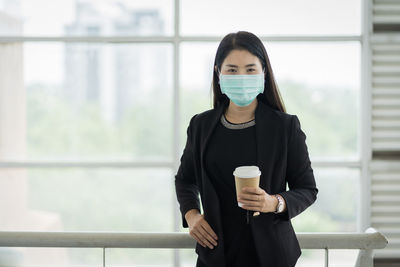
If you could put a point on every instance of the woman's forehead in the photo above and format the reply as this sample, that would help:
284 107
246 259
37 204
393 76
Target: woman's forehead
241 58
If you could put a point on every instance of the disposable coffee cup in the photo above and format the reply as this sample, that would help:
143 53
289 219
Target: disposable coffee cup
246 176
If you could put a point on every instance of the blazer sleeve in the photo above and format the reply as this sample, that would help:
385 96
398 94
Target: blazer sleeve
185 182
299 174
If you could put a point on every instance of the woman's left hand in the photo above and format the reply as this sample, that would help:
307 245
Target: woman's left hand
257 199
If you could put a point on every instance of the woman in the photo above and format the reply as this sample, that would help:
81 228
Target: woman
247 126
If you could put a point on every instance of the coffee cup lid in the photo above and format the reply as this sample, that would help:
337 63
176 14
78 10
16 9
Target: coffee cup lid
247 171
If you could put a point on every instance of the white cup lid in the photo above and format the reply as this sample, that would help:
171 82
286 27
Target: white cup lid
247 172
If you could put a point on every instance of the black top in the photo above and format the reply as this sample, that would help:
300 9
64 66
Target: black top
228 149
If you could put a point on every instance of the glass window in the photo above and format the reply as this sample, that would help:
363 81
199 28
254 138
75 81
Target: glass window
47 257
91 17
117 257
332 212
98 101
196 65
320 82
269 17
75 199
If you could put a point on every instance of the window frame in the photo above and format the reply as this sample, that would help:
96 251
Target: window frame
364 127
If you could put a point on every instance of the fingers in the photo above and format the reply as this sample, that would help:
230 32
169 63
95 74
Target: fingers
251 208
203 234
201 237
253 190
247 204
208 236
249 197
208 228
251 193
198 238
252 201
250 205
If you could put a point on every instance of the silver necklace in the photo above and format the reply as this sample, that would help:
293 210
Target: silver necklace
230 125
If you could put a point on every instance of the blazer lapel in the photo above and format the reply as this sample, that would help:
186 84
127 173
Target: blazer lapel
268 148
214 119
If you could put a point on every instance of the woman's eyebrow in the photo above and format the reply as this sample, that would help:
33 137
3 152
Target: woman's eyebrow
235 66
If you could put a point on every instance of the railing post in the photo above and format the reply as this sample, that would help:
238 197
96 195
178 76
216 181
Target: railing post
365 258
326 257
104 257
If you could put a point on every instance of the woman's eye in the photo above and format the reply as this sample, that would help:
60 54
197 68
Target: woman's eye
251 70
231 70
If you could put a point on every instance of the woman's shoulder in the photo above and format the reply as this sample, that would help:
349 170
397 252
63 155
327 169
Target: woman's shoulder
279 117
203 116
290 122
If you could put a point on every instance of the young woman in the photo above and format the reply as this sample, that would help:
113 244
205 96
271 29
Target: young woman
248 126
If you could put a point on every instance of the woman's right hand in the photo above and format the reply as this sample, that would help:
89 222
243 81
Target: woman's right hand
200 230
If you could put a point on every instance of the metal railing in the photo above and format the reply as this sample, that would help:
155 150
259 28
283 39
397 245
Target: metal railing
365 242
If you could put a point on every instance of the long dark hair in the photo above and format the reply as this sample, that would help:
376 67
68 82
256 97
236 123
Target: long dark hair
243 40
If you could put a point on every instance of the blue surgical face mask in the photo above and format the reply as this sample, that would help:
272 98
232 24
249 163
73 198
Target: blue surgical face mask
242 89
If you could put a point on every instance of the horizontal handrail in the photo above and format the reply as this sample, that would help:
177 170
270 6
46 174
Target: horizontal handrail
371 239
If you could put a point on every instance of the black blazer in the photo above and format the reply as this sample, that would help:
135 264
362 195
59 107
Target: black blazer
282 157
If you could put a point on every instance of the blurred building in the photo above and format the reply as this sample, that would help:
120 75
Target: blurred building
94 71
